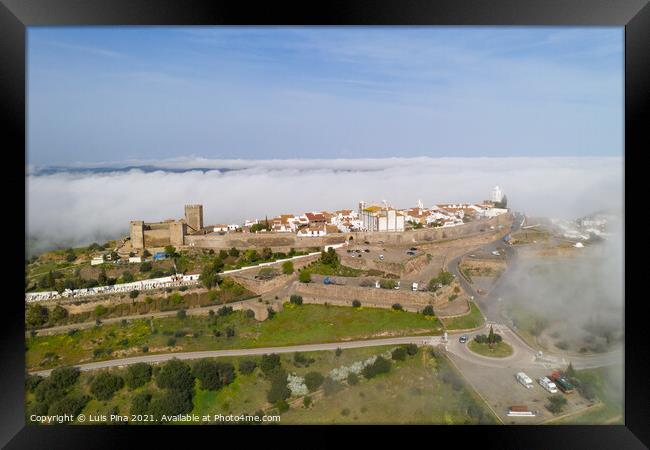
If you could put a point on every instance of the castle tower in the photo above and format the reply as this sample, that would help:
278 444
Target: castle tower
136 231
194 216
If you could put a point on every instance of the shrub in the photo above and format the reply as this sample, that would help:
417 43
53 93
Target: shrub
127 276
306 401
398 307
399 354
105 385
428 310
181 314
224 311
331 386
249 313
338 351
31 381
356 303
282 406
247 366
353 378
137 375
304 277
381 365
313 380
411 349
556 403
296 299
171 342
145 267
387 284
287 267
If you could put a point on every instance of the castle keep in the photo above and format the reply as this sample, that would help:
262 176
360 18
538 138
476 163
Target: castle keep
168 232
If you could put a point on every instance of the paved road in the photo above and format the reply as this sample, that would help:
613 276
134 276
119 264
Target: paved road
420 340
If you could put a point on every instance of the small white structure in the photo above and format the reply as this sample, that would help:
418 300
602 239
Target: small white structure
524 380
578 245
547 384
497 194
97 261
135 259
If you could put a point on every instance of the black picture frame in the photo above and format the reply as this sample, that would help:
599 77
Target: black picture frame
634 15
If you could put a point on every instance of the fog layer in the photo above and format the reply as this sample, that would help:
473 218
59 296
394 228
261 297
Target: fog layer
76 208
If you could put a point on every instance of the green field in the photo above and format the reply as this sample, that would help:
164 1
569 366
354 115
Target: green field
294 325
469 321
500 350
421 389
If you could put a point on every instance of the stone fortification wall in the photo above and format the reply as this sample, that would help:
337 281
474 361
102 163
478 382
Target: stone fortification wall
319 293
284 241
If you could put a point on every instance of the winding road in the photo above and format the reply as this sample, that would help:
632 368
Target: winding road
523 355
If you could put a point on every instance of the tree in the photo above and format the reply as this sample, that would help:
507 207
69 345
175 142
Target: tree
296 299
267 253
69 405
146 253
428 310
247 366
282 406
330 258
279 389
209 276
173 402
105 385
491 336
127 276
175 374
170 250
398 307
58 313
387 284
134 293
100 310
270 363
64 377
338 351
356 303
145 267
213 374
502 204
36 315
70 255
31 381
313 380
304 277
353 379
137 375
140 403
102 279
287 267
233 252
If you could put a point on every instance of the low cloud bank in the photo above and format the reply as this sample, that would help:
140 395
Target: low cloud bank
76 208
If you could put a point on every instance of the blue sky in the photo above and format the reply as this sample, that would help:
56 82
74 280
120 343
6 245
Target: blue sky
121 93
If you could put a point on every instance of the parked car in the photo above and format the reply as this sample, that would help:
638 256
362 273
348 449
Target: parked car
413 248
547 384
397 285
410 253
381 257
463 339
524 379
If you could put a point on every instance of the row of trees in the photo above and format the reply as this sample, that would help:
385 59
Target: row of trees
444 278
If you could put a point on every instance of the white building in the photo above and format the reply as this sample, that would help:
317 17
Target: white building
312 231
497 194
381 218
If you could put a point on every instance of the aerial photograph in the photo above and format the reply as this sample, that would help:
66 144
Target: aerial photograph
324 225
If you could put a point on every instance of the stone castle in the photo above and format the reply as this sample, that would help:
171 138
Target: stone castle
168 232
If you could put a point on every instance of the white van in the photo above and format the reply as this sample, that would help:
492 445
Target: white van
525 380
414 287
547 384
